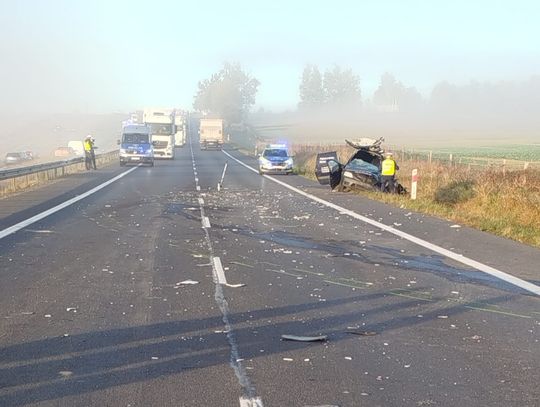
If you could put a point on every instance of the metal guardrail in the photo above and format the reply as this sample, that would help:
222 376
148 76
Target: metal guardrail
31 169
20 178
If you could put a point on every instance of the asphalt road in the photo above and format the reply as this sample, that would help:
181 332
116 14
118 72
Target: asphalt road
93 311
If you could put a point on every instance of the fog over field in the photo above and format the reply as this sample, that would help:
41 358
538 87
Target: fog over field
416 73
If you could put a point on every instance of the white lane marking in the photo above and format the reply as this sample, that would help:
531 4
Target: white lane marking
205 222
219 280
196 179
48 212
253 402
198 188
532 288
219 273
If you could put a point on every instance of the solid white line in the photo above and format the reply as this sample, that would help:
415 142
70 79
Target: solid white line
206 222
532 288
253 402
48 212
218 270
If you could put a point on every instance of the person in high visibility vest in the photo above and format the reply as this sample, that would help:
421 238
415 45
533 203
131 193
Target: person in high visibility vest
89 153
388 173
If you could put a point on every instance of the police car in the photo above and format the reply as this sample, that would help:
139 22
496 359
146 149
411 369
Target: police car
275 159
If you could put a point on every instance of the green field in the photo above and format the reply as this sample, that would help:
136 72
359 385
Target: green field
520 152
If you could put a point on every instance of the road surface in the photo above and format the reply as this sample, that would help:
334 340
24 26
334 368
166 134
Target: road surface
159 290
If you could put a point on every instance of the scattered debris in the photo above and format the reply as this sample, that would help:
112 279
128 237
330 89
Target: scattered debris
362 333
74 309
187 282
304 338
48 315
65 373
348 358
455 226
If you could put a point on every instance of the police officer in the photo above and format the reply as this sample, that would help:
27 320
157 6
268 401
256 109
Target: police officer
388 173
89 153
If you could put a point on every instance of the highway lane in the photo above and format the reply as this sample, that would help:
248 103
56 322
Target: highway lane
93 315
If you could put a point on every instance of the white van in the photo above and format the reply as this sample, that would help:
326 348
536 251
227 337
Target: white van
77 146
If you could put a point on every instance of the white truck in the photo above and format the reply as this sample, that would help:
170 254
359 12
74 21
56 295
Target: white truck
211 133
161 123
180 129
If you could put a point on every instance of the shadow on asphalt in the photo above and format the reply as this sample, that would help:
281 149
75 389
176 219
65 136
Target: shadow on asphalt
104 359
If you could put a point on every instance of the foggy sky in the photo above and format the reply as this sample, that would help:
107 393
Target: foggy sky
94 57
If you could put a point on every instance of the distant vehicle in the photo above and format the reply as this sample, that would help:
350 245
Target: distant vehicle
275 159
136 146
77 146
362 170
180 129
14 158
64 152
161 123
211 134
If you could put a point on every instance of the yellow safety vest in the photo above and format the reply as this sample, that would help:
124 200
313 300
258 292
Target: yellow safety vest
87 145
388 167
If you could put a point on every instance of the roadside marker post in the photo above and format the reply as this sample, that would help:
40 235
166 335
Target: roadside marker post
414 183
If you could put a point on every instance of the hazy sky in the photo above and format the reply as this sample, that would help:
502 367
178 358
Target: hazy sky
98 56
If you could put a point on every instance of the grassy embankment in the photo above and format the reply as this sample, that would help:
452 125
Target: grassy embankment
505 203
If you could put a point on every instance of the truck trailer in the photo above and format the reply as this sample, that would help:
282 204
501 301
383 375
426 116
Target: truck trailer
211 133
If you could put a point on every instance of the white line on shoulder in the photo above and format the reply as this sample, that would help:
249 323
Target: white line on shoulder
518 282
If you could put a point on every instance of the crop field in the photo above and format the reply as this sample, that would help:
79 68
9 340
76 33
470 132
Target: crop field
509 152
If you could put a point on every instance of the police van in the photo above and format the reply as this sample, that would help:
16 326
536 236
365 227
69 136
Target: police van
136 146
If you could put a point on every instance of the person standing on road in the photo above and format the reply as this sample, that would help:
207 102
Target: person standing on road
388 173
89 153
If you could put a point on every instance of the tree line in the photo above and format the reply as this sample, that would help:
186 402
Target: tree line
231 93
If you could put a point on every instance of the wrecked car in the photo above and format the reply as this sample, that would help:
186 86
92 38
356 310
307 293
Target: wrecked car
362 170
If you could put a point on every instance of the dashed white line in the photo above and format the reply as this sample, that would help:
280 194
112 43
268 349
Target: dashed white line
532 288
252 402
205 222
219 273
249 399
48 212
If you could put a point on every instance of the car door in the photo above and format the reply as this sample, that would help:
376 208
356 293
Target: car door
328 169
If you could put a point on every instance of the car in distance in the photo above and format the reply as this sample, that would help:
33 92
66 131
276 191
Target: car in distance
14 158
275 159
64 152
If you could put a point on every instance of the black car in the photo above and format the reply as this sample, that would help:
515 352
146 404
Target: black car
362 170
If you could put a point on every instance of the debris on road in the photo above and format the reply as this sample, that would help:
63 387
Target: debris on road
304 338
362 333
288 359
187 282
74 309
235 285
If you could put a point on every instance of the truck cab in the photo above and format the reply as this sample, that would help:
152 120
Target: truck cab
161 124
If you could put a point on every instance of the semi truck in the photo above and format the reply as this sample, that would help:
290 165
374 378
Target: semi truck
180 129
161 123
211 133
